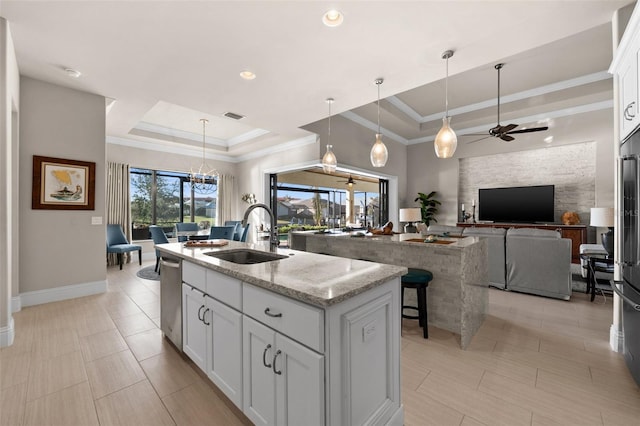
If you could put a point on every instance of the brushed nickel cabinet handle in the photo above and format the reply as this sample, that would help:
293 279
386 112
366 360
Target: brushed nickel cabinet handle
199 312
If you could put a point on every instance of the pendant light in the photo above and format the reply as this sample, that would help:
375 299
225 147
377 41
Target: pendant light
329 161
379 152
446 140
204 179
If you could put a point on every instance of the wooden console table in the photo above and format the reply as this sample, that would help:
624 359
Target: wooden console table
576 233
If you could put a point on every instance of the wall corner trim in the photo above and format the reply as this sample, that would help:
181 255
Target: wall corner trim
7 334
56 294
16 304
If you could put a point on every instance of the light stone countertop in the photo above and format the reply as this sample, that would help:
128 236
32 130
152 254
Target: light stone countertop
315 279
456 243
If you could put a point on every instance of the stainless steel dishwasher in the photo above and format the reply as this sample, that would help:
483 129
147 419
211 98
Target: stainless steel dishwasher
171 299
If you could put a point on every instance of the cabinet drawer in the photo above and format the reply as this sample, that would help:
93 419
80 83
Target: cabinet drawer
225 288
195 276
297 320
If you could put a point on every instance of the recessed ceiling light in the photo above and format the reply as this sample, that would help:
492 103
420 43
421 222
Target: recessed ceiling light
247 75
332 18
72 73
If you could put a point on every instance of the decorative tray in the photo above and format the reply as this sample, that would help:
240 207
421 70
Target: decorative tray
206 243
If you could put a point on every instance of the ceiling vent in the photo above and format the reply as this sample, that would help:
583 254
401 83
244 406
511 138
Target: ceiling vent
233 115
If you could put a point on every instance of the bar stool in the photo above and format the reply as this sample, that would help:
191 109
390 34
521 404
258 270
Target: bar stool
418 279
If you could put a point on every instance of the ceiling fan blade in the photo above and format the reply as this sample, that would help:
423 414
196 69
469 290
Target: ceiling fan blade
508 128
476 134
506 137
533 129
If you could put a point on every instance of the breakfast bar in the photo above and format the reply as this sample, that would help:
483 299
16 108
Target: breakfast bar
458 296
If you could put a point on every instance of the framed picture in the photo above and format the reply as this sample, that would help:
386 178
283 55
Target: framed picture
60 184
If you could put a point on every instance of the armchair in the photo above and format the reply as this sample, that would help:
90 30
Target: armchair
117 243
159 237
185 227
224 232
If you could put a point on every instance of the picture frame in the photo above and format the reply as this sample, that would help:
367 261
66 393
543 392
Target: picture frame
62 184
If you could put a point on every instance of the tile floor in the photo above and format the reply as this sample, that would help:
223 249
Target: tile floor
102 360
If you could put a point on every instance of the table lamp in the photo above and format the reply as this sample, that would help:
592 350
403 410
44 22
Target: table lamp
603 217
410 215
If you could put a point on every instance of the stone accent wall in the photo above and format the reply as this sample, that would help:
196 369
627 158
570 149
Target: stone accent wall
571 168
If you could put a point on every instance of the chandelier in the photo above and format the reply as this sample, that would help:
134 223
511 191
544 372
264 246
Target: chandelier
379 153
329 161
203 180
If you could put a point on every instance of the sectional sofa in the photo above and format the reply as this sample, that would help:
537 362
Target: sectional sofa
534 261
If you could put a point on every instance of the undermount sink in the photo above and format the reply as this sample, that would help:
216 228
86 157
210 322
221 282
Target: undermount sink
245 256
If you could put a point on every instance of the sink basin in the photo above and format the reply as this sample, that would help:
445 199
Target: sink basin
245 256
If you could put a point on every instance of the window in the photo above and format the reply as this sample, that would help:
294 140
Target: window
164 198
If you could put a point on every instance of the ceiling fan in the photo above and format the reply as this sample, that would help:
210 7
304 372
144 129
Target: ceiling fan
349 182
504 132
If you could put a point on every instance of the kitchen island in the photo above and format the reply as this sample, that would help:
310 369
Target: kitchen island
458 295
305 339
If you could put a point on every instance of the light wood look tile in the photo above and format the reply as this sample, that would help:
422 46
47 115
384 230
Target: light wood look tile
113 372
70 406
535 361
152 310
55 343
483 406
102 344
14 368
168 372
53 374
12 403
133 324
135 405
147 344
197 404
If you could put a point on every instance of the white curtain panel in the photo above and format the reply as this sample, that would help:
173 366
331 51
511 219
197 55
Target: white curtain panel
118 203
227 194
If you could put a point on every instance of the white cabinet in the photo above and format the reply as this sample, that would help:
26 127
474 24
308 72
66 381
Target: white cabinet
283 380
626 66
194 329
224 344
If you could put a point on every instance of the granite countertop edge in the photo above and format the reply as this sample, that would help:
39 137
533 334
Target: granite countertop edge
241 272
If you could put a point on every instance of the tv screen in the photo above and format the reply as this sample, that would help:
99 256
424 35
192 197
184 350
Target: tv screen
524 204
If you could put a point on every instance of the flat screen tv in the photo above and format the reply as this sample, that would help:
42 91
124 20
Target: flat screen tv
523 204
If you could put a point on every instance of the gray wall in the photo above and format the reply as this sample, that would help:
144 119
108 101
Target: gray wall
60 247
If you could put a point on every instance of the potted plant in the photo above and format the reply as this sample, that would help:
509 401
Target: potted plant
428 207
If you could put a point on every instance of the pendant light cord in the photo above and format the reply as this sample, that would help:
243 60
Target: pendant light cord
329 101
446 90
379 82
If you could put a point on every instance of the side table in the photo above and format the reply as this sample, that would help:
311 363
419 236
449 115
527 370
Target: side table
596 262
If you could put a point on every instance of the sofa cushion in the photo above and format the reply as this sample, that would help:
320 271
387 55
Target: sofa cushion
531 232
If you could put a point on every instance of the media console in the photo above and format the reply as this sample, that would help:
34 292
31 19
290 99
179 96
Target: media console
576 233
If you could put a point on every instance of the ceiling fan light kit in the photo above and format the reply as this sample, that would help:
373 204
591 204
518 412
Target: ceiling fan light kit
446 141
379 153
329 160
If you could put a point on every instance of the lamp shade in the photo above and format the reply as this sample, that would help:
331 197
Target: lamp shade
412 214
602 216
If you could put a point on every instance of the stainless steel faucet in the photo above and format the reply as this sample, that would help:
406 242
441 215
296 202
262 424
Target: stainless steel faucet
274 242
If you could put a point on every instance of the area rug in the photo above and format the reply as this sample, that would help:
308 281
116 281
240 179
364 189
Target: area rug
148 273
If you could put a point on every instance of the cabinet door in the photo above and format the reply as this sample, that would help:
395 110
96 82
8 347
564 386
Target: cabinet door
259 399
299 376
628 95
224 360
194 330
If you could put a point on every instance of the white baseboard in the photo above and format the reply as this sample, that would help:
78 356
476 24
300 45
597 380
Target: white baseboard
7 334
56 294
616 339
16 304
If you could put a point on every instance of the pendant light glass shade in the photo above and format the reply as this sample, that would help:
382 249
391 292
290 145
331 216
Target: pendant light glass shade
446 140
329 160
203 180
379 153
